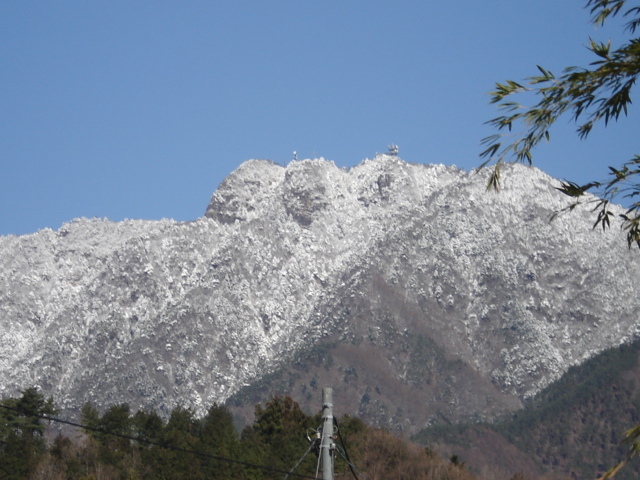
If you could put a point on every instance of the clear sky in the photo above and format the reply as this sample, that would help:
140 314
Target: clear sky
139 109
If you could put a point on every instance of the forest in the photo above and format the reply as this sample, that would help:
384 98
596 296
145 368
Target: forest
125 445
575 427
572 429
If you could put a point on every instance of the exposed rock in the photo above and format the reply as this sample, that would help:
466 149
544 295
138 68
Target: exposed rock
415 265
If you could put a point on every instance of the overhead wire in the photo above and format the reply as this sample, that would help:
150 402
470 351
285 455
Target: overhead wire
354 471
157 444
299 461
346 454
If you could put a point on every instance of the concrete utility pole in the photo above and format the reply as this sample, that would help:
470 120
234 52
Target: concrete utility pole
327 445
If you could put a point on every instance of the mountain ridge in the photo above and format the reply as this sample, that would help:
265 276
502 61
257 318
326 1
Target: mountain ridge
282 259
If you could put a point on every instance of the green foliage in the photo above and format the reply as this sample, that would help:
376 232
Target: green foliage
89 415
181 432
218 437
115 449
121 445
147 425
21 433
352 426
570 413
574 426
281 427
600 93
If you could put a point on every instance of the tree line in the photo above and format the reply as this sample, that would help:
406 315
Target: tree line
125 445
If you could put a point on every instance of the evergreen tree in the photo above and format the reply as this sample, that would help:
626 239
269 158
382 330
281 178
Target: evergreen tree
21 433
281 426
181 432
218 437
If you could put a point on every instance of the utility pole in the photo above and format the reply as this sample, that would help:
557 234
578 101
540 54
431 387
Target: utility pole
327 445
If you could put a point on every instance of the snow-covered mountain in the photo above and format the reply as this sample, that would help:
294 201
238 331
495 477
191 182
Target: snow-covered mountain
421 287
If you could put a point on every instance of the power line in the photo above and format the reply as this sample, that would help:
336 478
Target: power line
300 461
157 444
345 455
352 467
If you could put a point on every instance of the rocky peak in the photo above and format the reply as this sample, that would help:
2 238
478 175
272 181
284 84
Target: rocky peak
245 193
416 278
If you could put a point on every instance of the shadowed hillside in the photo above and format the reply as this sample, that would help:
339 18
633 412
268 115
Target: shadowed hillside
574 427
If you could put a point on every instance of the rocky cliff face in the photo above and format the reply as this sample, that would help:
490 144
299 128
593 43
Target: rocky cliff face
420 287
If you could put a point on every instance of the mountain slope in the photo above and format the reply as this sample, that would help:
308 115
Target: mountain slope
411 277
574 427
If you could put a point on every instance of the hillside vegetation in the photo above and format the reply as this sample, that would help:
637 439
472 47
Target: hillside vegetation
573 427
120 444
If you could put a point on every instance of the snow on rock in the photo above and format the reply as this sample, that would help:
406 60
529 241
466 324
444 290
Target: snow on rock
162 312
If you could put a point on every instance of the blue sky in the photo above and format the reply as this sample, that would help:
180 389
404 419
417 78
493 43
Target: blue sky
139 109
